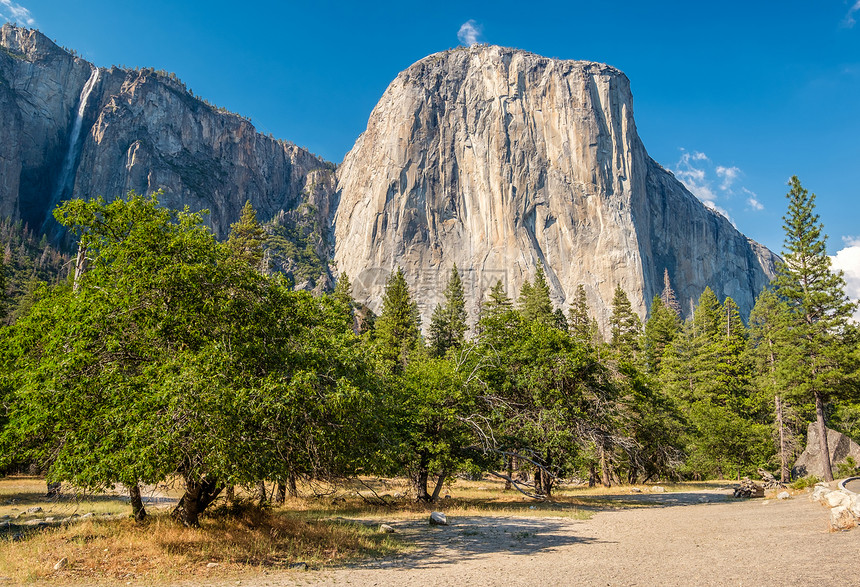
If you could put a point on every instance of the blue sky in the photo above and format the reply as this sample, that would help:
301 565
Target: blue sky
734 97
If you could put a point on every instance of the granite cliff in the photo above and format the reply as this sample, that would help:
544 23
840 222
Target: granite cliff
494 159
69 128
497 159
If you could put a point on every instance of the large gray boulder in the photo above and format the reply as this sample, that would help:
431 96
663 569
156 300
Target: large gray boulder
809 461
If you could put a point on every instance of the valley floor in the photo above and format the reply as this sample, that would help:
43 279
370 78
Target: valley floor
675 539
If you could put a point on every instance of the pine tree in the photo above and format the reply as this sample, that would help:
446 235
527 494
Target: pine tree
578 316
661 328
821 310
767 345
343 290
247 237
668 295
398 328
625 325
448 323
498 317
535 303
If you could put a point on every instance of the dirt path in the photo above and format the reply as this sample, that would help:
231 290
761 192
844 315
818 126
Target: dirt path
676 541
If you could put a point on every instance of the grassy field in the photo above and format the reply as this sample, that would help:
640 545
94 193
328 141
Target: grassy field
102 545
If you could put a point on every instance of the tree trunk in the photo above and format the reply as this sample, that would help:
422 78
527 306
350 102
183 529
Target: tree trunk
80 266
510 467
231 493
605 478
420 478
547 480
538 482
137 508
281 493
442 476
261 493
822 437
198 496
592 475
784 473
291 485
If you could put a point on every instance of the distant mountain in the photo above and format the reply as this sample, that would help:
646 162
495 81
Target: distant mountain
69 129
497 159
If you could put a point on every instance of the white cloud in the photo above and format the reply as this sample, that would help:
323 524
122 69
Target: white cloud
714 184
849 21
695 179
752 200
848 260
16 13
728 175
470 32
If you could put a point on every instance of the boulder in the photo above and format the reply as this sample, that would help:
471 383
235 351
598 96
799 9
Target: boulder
841 518
820 493
783 495
809 461
837 499
438 519
386 529
855 505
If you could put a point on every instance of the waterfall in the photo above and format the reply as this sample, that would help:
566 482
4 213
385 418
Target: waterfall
65 181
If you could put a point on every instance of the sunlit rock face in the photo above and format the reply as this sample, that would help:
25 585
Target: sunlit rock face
497 160
140 130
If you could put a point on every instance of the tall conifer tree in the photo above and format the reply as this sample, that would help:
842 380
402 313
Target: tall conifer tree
821 310
398 327
448 323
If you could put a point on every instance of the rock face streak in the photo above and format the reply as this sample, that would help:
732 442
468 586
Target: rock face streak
497 160
140 130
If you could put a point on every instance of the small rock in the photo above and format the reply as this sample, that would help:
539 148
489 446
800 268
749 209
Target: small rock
841 518
783 495
397 495
703 499
211 565
87 515
438 519
447 496
49 519
658 489
61 564
34 510
299 566
386 529
635 490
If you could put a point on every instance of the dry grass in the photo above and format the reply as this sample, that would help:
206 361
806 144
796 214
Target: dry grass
112 551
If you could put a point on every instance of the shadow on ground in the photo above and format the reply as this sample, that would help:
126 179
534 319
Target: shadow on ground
472 537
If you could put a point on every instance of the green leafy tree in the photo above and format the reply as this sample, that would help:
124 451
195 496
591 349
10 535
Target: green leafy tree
433 402
171 359
822 367
398 328
448 323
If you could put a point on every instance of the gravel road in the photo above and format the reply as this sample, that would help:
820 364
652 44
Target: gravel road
673 539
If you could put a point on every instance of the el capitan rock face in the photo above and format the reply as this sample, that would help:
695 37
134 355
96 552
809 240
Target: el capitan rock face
497 159
141 130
